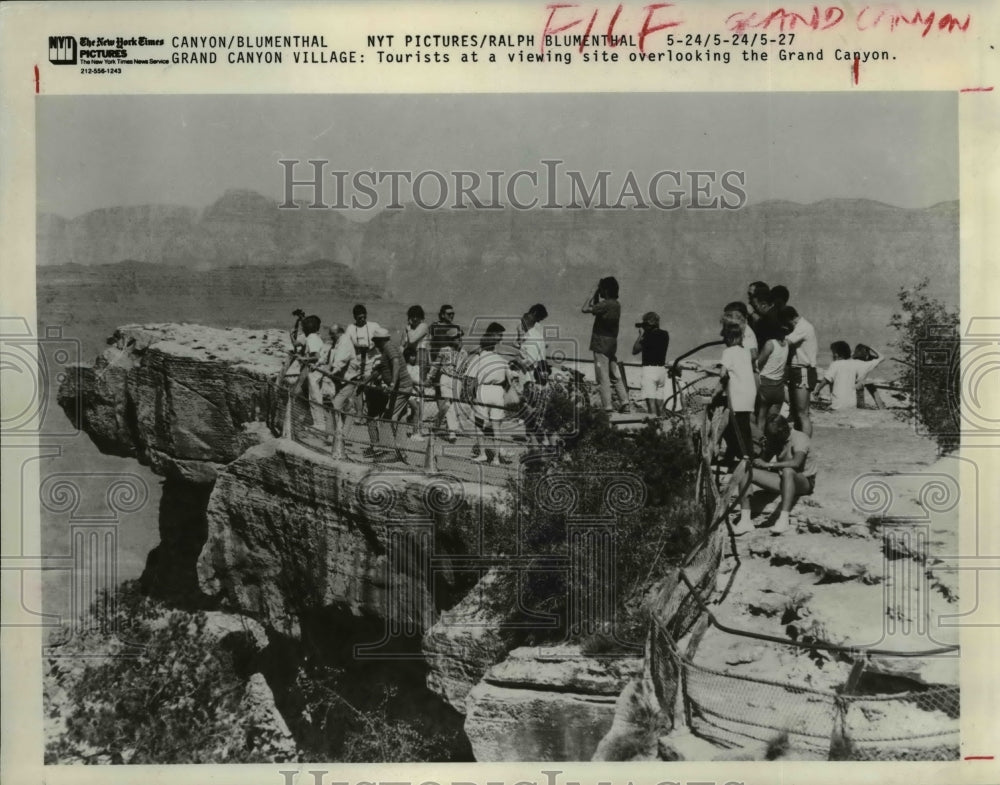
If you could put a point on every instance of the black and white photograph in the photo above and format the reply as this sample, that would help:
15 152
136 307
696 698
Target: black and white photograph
485 427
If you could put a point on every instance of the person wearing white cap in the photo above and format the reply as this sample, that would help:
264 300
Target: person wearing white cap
652 343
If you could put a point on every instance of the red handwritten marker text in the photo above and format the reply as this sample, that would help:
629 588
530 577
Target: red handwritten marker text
655 19
888 18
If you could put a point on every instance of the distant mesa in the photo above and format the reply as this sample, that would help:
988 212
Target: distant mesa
321 277
417 254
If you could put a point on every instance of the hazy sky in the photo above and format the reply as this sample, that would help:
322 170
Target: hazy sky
102 151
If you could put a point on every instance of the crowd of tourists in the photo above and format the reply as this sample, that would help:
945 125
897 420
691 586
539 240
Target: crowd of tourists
768 376
768 368
364 368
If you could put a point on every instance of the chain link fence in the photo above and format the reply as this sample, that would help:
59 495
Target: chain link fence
852 720
407 432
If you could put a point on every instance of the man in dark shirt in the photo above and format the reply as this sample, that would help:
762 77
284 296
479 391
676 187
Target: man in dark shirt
437 337
397 386
652 343
779 296
604 342
763 317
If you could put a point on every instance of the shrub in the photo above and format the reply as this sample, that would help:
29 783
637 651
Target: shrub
929 347
643 482
176 699
371 732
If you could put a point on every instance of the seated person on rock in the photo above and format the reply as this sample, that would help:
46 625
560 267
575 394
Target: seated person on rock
846 374
867 360
787 466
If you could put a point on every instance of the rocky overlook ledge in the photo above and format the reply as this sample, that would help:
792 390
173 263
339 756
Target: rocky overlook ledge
176 396
289 536
284 529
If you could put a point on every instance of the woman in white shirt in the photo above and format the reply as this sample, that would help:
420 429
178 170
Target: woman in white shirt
446 372
312 354
492 377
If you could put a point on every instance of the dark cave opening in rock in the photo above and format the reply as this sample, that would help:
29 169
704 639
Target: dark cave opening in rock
339 688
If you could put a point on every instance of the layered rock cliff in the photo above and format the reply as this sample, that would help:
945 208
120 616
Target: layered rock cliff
289 536
286 529
176 397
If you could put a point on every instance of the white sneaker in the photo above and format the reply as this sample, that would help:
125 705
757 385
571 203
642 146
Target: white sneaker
481 458
743 527
781 526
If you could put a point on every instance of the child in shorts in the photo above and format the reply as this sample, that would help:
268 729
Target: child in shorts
737 378
772 364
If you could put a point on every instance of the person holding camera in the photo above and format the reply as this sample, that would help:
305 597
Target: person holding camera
652 343
607 311
288 374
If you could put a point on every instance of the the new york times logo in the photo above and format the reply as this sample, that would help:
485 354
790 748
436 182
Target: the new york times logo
62 50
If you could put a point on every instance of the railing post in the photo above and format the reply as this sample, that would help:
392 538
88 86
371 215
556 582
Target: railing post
337 450
430 459
286 428
420 403
840 739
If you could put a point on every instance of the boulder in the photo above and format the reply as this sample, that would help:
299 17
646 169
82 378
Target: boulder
464 643
547 703
293 532
264 730
899 616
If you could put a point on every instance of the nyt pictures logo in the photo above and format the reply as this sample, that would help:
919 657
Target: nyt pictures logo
62 50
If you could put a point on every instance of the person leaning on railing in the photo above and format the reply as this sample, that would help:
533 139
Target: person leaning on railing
314 349
446 375
532 362
394 385
345 369
738 383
